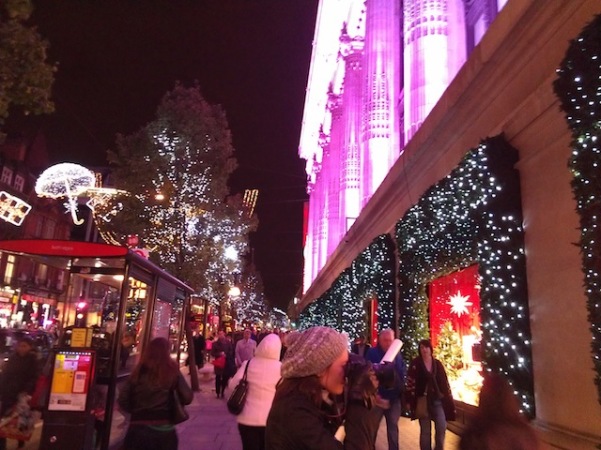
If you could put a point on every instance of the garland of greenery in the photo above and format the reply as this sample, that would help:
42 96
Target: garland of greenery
579 89
472 216
342 305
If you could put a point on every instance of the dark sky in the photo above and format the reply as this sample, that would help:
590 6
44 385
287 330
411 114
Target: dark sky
116 59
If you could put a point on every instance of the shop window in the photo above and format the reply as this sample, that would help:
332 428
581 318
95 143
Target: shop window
456 332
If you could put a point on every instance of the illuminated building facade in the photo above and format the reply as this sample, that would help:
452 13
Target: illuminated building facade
453 105
377 70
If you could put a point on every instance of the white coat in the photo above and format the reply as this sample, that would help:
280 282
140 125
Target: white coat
263 375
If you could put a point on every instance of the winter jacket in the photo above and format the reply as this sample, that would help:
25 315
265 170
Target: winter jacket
418 385
151 404
19 375
296 423
375 355
263 375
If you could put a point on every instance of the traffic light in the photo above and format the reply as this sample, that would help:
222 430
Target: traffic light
81 314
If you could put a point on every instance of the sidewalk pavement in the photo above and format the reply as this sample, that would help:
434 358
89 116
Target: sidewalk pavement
212 427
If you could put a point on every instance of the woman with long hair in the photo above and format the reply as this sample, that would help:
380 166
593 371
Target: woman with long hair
147 396
427 378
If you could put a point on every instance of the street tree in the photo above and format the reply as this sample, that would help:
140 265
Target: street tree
25 76
175 170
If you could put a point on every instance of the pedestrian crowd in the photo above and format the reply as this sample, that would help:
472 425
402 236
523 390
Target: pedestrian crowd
305 390
299 391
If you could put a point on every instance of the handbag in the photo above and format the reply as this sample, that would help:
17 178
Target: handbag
219 362
178 411
235 404
421 408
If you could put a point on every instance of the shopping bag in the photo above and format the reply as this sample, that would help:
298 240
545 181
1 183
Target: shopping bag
18 423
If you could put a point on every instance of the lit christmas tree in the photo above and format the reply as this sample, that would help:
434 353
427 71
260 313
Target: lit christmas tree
449 350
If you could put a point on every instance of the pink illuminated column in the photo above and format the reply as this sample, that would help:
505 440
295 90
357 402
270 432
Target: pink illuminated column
381 88
350 192
434 50
331 166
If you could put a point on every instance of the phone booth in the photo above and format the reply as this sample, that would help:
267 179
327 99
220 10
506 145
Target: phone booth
113 302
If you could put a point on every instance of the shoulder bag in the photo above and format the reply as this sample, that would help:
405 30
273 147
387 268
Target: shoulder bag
235 404
178 411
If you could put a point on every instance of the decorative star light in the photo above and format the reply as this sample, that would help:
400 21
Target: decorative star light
459 303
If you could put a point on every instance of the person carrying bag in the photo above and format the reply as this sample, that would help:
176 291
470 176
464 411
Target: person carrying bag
154 396
261 373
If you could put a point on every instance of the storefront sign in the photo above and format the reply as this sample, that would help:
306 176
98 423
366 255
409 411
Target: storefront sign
81 337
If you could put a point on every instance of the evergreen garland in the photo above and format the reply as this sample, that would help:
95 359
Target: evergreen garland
579 89
472 216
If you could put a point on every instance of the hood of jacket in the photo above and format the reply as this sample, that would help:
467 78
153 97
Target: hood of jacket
269 347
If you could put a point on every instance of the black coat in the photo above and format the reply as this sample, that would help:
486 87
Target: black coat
19 375
296 423
417 384
146 402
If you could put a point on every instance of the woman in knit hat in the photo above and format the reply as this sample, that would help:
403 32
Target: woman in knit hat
303 416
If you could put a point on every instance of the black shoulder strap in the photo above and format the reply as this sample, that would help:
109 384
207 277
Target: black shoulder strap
246 369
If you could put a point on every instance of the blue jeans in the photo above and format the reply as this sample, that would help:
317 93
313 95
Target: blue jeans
392 415
440 425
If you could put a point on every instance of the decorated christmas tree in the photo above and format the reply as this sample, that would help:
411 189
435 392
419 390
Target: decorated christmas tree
450 351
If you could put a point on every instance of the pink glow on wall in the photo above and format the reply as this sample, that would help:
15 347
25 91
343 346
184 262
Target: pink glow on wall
376 73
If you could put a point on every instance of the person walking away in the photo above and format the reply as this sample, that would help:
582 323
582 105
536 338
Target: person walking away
147 395
18 377
498 423
427 377
262 376
245 348
392 394
304 415
222 351
200 346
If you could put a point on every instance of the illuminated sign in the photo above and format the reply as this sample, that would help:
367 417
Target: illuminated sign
71 378
13 209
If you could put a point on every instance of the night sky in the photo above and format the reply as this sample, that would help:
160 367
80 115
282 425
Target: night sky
117 58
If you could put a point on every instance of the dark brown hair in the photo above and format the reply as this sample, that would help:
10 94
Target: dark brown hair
309 386
157 365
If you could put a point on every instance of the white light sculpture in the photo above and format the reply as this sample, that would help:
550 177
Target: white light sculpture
13 209
66 180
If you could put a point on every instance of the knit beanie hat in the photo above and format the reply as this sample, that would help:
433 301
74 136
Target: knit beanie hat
312 351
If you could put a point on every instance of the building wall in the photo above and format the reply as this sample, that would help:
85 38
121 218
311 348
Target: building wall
506 87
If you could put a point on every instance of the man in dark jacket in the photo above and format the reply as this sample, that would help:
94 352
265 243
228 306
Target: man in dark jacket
391 394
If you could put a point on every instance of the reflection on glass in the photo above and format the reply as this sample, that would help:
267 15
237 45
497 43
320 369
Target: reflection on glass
135 314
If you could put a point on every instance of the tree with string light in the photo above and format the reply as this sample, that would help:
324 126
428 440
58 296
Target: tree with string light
26 79
175 170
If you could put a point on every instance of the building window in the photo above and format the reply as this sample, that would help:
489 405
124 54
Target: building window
10 269
7 175
38 227
19 183
41 273
49 228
